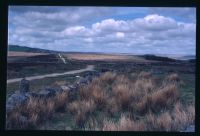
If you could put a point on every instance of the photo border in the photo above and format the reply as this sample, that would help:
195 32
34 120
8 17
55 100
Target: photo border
122 3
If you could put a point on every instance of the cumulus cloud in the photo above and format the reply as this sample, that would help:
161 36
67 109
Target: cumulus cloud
120 35
181 13
155 22
90 29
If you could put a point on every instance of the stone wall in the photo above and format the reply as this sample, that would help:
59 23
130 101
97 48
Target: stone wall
24 94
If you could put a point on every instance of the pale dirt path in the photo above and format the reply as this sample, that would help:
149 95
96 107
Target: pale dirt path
88 68
61 57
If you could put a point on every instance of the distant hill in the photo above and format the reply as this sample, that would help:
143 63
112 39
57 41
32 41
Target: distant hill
18 48
158 58
192 60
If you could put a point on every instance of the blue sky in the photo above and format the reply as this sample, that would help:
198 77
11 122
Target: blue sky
137 30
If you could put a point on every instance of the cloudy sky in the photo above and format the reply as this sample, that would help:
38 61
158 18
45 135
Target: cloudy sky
137 30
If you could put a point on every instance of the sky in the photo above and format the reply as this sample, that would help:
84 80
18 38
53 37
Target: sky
136 30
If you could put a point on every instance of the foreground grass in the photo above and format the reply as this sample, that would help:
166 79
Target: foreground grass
138 102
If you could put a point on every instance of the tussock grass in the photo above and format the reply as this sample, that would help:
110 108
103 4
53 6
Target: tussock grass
108 77
81 110
35 111
144 105
143 97
60 101
124 124
144 75
173 78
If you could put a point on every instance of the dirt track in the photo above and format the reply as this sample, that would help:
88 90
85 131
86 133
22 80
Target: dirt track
88 68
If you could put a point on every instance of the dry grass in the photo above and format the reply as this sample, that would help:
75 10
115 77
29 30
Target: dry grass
96 91
80 110
60 83
108 77
157 104
149 106
35 111
124 124
104 57
14 121
145 75
60 100
123 95
183 116
162 122
191 114
173 78
165 97
112 106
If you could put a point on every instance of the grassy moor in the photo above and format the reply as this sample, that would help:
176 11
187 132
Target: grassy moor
124 69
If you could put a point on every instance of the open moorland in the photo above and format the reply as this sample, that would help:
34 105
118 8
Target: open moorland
131 93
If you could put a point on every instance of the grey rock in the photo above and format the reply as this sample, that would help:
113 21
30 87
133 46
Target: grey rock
104 70
48 92
31 94
82 81
23 119
24 86
73 87
9 108
58 90
65 88
88 78
16 99
190 128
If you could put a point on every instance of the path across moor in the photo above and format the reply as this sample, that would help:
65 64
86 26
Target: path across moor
88 68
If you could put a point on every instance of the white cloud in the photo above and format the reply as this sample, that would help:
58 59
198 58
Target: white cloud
89 40
110 25
155 22
120 35
75 31
181 13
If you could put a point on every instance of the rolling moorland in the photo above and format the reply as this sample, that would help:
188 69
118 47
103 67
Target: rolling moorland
130 93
